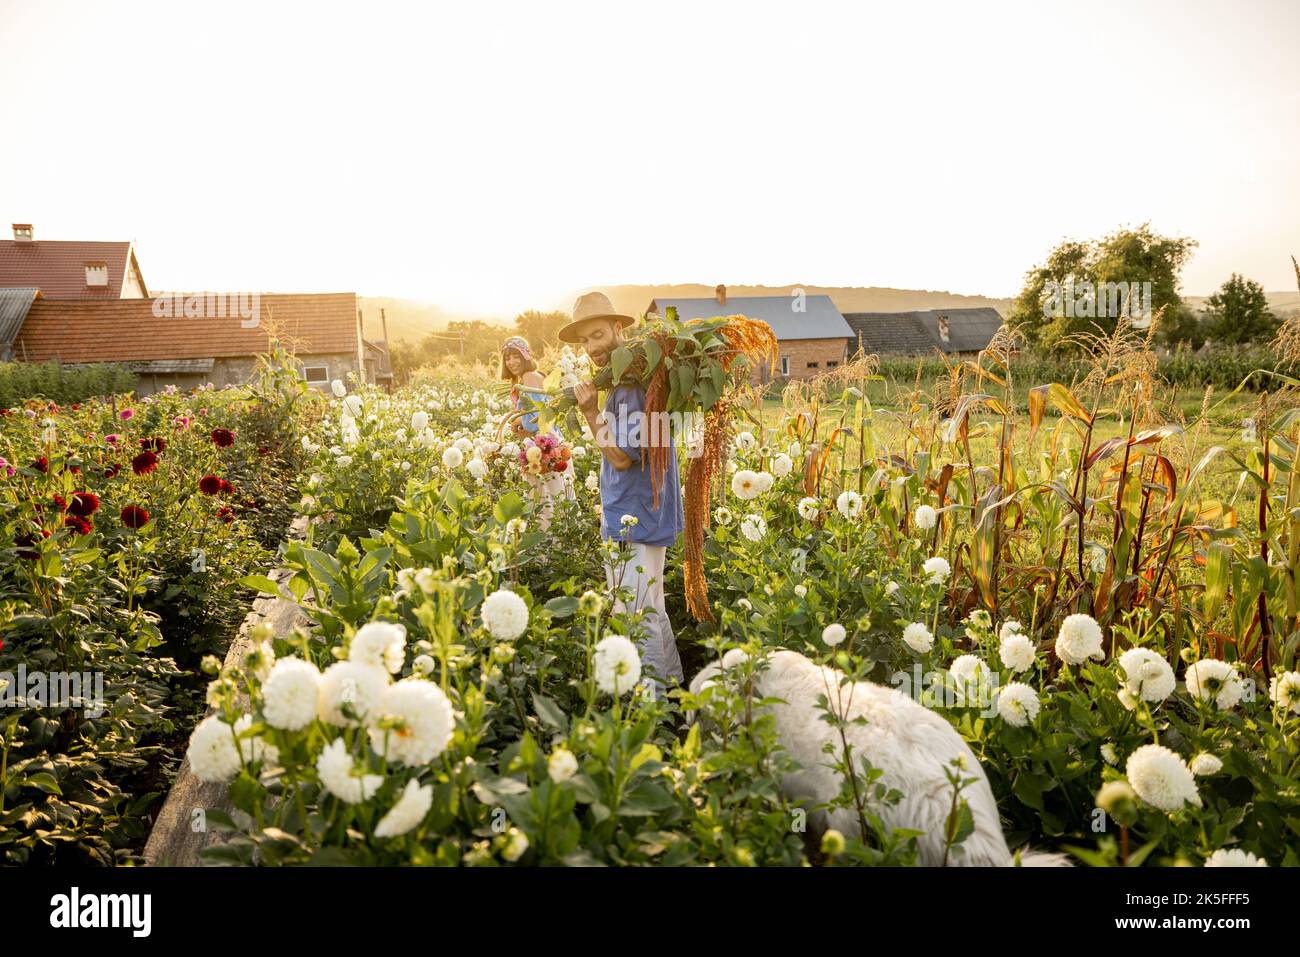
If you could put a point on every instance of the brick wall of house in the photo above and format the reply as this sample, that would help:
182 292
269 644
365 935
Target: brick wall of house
809 357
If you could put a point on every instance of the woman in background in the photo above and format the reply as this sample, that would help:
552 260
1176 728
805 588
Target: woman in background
519 368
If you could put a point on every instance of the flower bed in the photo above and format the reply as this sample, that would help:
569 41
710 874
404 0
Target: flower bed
127 527
468 693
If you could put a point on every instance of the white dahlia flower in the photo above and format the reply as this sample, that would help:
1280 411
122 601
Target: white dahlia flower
1017 704
1284 691
290 693
1205 764
380 643
926 517
1234 857
808 509
833 634
1079 639
452 457
350 683
618 665
505 615
746 485
342 777
849 504
411 807
561 765
1016 651
936 570
212 752
782 465
412 723
918 637
1161 778
1147 675
1212 680
754 527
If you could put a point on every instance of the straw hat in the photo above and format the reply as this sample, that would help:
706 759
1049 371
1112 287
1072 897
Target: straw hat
592 305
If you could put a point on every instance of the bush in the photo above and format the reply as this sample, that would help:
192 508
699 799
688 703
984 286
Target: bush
56 382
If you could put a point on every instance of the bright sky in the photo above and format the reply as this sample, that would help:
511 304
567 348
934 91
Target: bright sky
495 156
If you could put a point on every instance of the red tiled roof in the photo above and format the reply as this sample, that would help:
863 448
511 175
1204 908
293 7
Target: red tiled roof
125 330
58 268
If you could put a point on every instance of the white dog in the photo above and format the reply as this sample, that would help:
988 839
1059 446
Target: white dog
908 742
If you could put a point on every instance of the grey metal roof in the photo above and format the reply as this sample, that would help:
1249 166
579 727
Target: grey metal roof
819 320
14 304
912 333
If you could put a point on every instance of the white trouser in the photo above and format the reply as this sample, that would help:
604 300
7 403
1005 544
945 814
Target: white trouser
639 569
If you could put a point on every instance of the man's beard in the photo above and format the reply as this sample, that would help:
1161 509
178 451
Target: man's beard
599 358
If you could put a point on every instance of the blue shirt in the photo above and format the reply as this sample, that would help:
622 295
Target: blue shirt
530 398
629 492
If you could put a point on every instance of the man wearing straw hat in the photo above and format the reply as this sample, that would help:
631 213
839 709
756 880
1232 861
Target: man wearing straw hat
623 436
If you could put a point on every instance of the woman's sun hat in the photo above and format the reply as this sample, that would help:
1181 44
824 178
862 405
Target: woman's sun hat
591 305
519 344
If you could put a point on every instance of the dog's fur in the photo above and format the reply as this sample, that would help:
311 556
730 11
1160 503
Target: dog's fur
907 741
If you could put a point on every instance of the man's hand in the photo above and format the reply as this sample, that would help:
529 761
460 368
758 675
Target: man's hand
585 394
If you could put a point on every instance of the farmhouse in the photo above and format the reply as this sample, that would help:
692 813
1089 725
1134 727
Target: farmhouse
813 335
953 331
79 303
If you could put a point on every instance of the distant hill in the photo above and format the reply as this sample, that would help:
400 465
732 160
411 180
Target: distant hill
408 319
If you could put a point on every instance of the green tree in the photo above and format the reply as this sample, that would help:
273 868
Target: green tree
1239 312
1086 286
541 329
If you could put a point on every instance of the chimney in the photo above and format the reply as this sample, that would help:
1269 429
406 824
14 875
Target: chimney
721 293
22 232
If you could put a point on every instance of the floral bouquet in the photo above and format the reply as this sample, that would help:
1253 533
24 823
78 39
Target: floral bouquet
544 455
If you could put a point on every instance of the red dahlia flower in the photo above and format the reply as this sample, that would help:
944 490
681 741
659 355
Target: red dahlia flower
223 438
226 514
25 543
153 445
210 485
133 516
112 470
60 501
83 504
226 487
144 463
82 525
41 465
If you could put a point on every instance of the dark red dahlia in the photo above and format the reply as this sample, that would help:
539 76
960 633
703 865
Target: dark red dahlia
41 465
223 438
83 504
154 445
112 470
226 514
144 463
133 516
25 543
210 485
81 524
226 487
60 501
559 465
